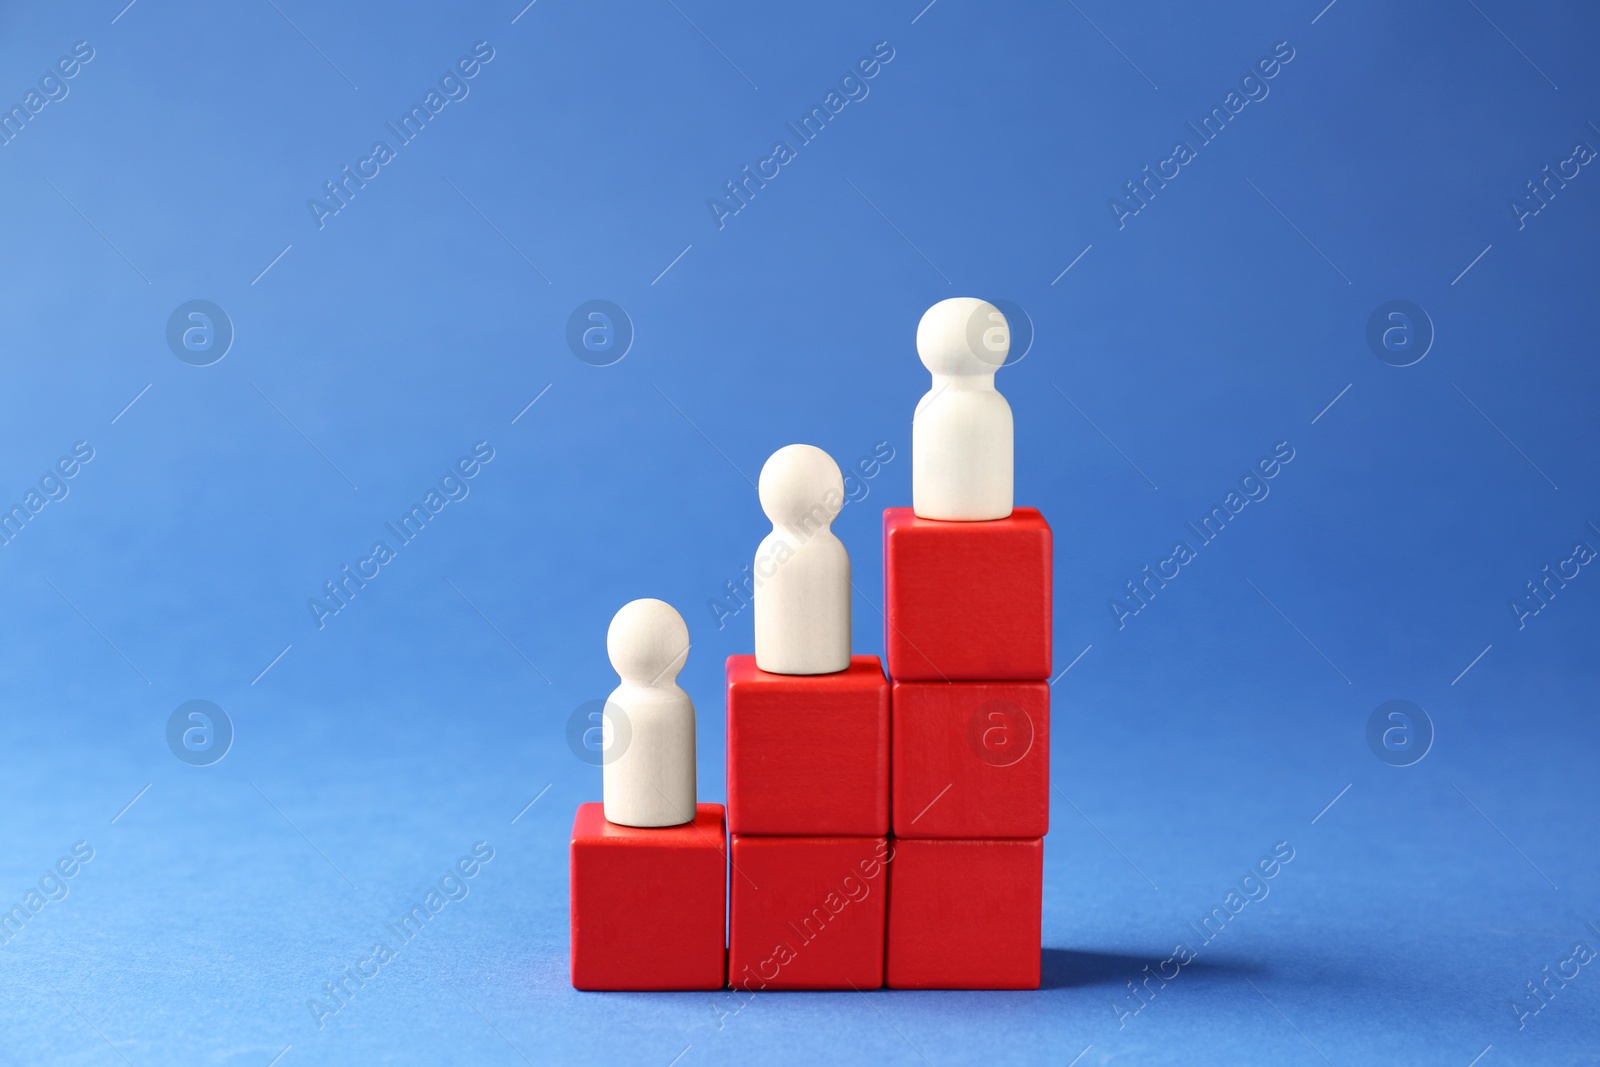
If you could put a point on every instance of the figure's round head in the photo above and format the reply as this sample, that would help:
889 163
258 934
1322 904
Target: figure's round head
648 642
801 485
963 335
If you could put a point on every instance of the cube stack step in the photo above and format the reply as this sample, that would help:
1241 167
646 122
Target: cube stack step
967 632
808 806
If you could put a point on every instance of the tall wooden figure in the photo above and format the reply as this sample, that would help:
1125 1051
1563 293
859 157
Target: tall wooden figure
961 435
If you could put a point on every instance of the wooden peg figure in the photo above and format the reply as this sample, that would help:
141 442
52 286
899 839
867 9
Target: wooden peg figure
802 571
961 435
648 722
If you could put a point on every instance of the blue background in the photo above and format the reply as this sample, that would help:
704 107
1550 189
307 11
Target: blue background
1176 351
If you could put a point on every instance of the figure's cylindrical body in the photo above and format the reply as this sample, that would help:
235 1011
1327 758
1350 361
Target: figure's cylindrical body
801 570
961 451
802 604
648 754
649 762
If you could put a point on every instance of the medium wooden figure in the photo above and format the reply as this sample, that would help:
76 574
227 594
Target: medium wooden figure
802 571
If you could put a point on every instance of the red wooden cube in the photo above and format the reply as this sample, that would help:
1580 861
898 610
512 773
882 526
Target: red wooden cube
648 904
965 914
966 601
808 912
808 755
971 759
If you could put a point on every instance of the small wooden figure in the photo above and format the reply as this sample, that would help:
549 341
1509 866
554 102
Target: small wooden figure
649 772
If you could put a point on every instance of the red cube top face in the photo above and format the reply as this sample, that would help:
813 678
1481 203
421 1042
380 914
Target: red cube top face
648 905
590 825
808 755
967 601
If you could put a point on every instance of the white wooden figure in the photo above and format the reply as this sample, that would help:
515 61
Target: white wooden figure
802 571
961 435
649 780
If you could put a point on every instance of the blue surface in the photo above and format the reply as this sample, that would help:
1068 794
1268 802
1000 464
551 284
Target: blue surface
1228 315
